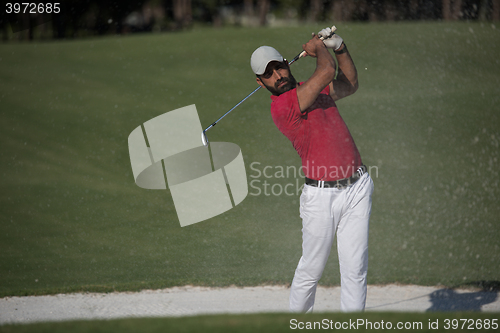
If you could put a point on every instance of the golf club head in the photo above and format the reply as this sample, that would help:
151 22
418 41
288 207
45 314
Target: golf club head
204 139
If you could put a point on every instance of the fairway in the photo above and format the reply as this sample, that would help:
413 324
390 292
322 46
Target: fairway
426 118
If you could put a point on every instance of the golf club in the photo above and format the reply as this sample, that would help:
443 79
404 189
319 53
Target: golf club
204 138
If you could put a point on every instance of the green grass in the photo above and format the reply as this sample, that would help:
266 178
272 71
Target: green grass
72 219
365 322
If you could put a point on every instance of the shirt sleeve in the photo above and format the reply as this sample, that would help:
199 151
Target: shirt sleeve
326 90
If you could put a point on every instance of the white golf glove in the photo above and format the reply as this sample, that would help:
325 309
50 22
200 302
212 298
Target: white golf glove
332 42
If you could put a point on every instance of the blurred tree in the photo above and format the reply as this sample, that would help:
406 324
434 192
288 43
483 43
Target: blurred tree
68 21
337 10
183 15
391 10
375 10
447 10
456 10
208 11
452 10
264 6
316 11
118 10
343 10
483 10
248 8
4 24
291 9
413 10
495 14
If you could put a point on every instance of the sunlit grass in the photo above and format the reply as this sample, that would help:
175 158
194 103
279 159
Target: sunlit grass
426 115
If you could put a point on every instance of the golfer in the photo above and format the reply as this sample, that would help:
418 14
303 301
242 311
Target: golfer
336 197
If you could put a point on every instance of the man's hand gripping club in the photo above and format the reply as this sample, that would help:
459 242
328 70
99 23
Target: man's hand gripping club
328 37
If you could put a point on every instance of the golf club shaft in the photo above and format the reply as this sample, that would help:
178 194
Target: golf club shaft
234 107
204 139
253 92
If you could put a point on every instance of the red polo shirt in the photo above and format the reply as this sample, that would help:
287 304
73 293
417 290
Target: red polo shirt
319 135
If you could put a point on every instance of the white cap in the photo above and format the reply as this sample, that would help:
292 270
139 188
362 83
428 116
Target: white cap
263 56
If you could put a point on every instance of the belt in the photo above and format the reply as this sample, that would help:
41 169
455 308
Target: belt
341 183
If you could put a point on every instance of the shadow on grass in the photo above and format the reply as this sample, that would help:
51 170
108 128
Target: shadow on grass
449 300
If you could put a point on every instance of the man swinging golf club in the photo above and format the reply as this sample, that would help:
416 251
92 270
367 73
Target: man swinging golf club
337 193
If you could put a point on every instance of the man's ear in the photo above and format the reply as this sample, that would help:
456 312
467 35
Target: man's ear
260 82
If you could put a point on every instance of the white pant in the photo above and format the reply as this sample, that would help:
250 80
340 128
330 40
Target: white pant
325 211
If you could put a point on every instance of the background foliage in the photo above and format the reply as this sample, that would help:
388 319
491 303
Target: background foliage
85 18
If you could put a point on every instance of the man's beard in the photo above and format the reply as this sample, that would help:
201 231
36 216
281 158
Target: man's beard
289 85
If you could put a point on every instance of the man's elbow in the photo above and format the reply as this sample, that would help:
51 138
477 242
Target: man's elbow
352 87
330 73
349 90
355 87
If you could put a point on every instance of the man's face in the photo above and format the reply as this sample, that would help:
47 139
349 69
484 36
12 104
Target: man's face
277 78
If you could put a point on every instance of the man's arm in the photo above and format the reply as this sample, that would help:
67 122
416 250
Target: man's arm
324 74
346 82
